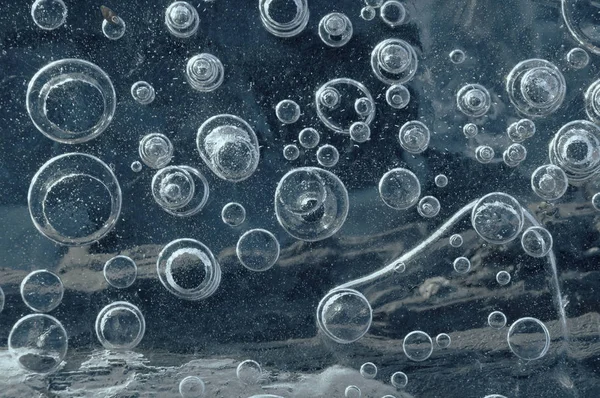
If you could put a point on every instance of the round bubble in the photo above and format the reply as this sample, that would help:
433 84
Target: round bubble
549 182
120 326
394 61
497 320
578 58
309 138
462 265
581 20
173 187
204 72
473 100
536 87
42 290
457 56
521 130
528 338
368 370
38 343
74 199
360 132
249 372
71 101
399 267
393 13
337 103
328 155
456 240
344 315
352 392
417 346
575 148
399 189
188 269
142 92
399 379
414 136
155 150
136 166
287 23
484 154
49 14
470 130
181 19
514 155
229 147
291 152
596 201
536 241
443 340
397 96
592 101
368 13
258 250
441 180
233 214
497 218
503 278
192 387
335 29
114 30
287 111
120 272
428 206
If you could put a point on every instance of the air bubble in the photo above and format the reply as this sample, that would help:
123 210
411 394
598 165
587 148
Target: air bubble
120 326
368 13
74 199
393 13
249 372
287 111
142 92
536 241
417 346
441 180
470 130
536 87
503 278
114 30
414 136
428 207
336 103
497 218
188 269
344 315
549 182
192 387
155 150
473 100
335 29
394 61
42 291
580 18
368 370
120 272
595 202
521 130
204 72
291 152
575 148
309 138
514 155
457 56
182 19
136 166
71 101
528 338
258 250
173 187
443 340
400 189
360 132
352 392
456 240
462 265
229 147
592 101
399 380
497 320
399 267
2 299
233 214
364 107
397 96
284 25
328 155
578 58
484 154
38 343
49 14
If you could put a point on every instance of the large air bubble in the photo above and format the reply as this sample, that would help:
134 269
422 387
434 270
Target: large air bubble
575 148
344 315
497 218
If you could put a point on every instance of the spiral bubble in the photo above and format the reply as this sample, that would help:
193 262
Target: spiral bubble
399 380
497 319
120 326
229 147
342 102
441 180
42 291
204 72
578 58
592 101
549 182
457 56
414 136
71 101
188 269
258 250
233 214
335 29
249 372
528 338
291 152
120 272
575 148
521 130
155 150
428 207
536 241
280 20
368 370
344 315
399 188
192 387
462 265
360 132
287 111
38 343
393 13
470 130
49 14
536 87
443 340
417 346
473 100
309 138
497 218
311 204
394 61
328 155
74 199
114 30
368 13
397 96
484 154
503 278
514 155
181 19
142 92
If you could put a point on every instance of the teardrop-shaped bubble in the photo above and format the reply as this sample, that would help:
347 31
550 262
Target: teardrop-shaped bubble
528 338
181 19
473 100
399 188
229 147
497 218
394 61
344 315
120 326
549 182
155 150
575 148
284 18
204 72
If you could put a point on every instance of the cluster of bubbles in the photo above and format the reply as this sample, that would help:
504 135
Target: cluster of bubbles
514 155
521 130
